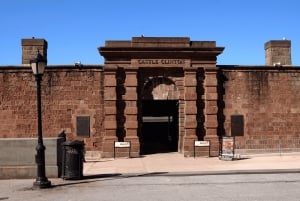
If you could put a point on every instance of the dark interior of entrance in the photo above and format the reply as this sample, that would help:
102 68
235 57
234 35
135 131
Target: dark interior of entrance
159 133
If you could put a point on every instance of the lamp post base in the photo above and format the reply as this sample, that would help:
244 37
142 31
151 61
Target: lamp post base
42 183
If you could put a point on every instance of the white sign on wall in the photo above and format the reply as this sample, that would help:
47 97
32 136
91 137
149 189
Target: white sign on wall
122 144
202 144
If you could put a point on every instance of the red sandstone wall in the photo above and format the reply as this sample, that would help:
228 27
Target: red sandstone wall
267 98
66 93
269 101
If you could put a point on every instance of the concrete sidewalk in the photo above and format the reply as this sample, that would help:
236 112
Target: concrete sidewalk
97 172
151 165
176 163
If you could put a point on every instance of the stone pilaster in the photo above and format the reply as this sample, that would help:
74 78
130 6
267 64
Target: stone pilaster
110 112
190 113
211 109
131 110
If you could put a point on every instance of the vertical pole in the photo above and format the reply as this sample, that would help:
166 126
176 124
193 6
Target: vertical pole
114 149
209 148
129 149
41 179
194 149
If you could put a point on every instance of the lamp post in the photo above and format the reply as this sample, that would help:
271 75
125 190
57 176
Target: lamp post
38 64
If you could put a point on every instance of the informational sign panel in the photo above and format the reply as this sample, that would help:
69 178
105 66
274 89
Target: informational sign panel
122 145
227 148
201 144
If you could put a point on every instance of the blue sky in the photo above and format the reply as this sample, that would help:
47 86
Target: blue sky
75 29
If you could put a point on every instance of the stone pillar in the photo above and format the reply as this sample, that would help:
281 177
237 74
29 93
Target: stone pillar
110 111
190 111
278 52
131 110
30 48
211 109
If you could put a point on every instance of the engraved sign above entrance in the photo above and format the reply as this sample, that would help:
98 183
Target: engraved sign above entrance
161 62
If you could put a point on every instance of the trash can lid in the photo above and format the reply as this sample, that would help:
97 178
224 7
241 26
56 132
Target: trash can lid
76 142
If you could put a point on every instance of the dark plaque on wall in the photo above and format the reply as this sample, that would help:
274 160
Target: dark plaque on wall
237 125
83 126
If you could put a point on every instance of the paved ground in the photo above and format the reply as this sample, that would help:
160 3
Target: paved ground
176 163
158 164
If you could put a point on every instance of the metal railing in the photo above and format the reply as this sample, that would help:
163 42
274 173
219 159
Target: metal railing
277 144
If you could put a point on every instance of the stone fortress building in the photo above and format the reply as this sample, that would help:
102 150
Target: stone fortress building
159 93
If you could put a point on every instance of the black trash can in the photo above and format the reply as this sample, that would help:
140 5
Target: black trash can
73 158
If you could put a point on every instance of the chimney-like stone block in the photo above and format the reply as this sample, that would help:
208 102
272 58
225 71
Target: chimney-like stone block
30 48
278 52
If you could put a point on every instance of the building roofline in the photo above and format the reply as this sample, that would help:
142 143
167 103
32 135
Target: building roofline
258 67
26 67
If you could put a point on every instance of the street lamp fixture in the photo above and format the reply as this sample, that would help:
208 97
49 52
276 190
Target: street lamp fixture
38 64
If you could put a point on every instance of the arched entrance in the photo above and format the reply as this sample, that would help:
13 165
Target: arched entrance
160 83
159 128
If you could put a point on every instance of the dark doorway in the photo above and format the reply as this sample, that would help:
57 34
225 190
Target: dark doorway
159 127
